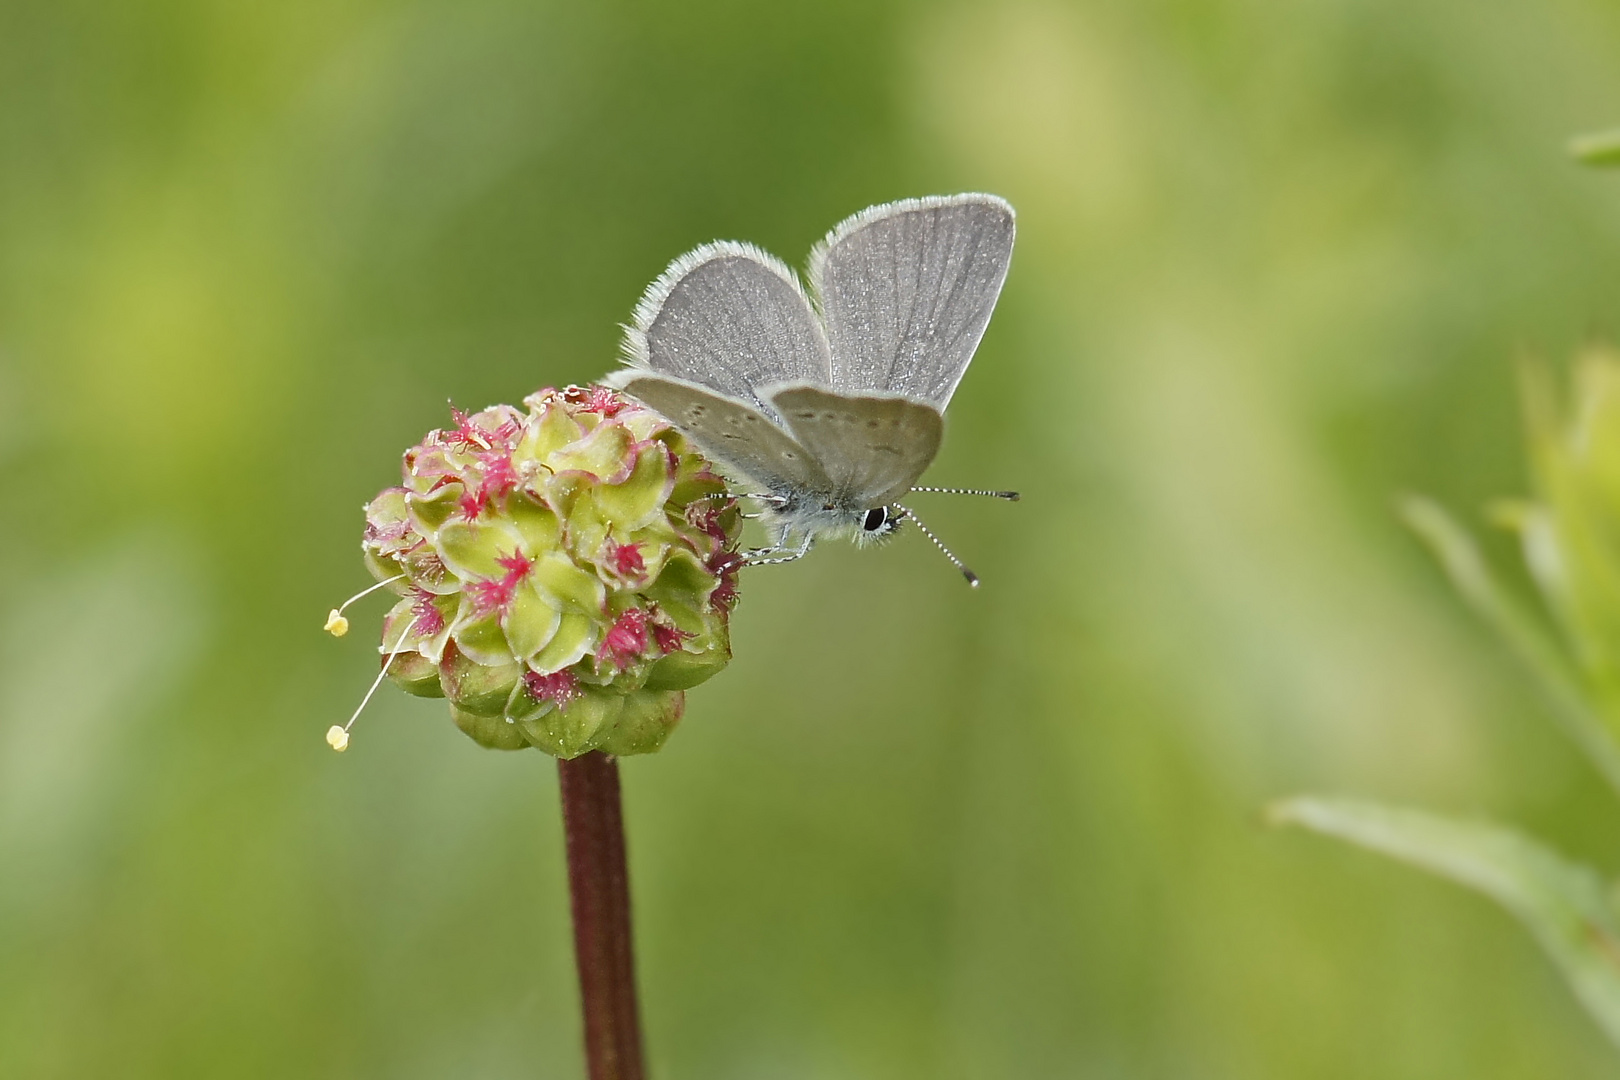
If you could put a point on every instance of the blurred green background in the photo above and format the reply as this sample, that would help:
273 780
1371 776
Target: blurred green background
1274 264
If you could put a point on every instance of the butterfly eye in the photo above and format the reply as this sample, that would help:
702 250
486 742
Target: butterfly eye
875 518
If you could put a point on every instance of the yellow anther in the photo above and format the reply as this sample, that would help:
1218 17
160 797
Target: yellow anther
337 738
336 624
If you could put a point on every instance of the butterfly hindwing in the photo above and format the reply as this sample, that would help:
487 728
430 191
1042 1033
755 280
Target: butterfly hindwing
872 447
732 432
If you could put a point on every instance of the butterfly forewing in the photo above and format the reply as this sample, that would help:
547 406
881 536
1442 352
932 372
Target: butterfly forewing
730 431
872 448
906 290
732 318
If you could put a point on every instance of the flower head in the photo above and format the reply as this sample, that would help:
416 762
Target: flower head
564 574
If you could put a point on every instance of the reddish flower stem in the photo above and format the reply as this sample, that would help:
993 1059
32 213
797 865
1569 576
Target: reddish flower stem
599 887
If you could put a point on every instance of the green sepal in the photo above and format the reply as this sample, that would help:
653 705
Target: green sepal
529 621
583 523
644 723
570 588
684 580
491 732
535 522
470 549
683 670
431 510
477 688
416 675
383 567
604 454
555 430
577 729
639 499
576 636
479 634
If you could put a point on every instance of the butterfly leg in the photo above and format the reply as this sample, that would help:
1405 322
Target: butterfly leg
773 556
764 497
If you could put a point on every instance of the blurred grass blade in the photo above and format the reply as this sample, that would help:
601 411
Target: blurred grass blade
1565 905
1459 556
1598 148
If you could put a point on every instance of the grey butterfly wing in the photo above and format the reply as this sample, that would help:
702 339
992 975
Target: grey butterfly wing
730 317
732 432
871 446
906 290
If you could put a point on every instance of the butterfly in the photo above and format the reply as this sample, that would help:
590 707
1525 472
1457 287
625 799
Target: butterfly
831 399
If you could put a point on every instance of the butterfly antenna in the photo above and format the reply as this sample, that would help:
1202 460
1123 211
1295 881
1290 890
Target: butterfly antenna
1010 496
972 578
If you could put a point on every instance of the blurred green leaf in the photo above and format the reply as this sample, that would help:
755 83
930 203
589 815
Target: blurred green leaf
1565 905
1571 535
1460 557
1598 148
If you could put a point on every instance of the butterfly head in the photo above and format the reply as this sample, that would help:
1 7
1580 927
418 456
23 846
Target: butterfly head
827 519
877 523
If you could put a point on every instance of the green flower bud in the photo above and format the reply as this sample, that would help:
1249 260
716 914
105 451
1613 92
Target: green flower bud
564 576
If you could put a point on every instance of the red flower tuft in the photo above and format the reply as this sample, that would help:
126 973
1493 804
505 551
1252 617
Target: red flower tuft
499 475
561 688
467 433
704 515
470 506
626 559
508 431
489 595
599 399
494 594
626 641
426 617
424 565
517 566
669 638
724 565
386 534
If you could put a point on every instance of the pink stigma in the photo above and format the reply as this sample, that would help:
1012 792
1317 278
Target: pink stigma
627 560
724 565
470 506
626 640
599 399
508 431
427 618
386 533
560 688
500 477
466 433
494 594
704 515
517 566
669 638
489 595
